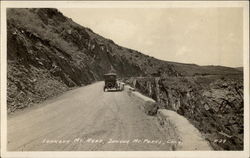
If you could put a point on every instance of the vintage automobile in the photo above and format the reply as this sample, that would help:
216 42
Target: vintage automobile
110 80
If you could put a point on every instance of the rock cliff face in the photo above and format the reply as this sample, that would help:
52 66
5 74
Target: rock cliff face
214 104
48 54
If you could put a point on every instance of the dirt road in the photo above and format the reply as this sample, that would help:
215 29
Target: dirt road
86 119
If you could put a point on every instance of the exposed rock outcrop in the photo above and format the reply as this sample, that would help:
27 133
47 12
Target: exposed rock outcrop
48 54
214 104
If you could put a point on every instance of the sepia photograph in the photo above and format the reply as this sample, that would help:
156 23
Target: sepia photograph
113 79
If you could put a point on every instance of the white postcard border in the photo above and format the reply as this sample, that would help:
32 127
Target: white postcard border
123 4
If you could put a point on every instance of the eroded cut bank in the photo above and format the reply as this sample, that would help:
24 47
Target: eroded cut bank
175 126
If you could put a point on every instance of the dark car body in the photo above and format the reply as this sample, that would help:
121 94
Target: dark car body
110 80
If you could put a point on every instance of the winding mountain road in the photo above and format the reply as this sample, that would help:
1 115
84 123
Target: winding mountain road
86 119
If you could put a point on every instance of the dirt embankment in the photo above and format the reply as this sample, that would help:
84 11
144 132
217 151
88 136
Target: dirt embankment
213 104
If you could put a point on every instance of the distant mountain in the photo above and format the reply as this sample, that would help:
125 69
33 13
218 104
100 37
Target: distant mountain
239 68
48 53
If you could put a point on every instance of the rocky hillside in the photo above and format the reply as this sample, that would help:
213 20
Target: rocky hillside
213 104
49 53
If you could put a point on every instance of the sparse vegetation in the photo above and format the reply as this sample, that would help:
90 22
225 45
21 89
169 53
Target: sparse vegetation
49 54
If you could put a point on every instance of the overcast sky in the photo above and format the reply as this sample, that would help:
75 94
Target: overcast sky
204 36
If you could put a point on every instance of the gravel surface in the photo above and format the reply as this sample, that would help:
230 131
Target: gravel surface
86 119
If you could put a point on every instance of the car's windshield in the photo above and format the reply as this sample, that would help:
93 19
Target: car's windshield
110 77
